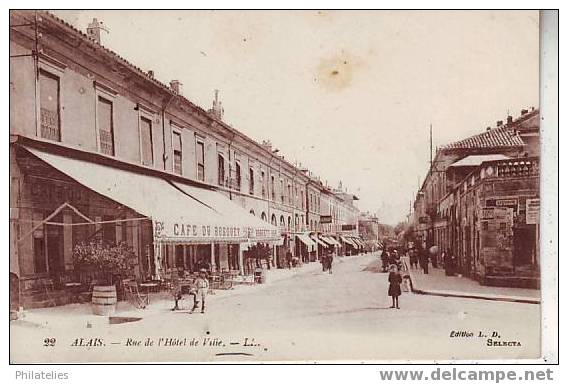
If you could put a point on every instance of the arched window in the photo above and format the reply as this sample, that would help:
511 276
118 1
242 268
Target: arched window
282 221
273 219
252 212
263 216
289 222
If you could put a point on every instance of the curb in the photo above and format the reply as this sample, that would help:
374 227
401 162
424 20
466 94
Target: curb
512 299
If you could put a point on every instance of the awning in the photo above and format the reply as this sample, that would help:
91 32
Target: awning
176 215
331 241
359 241
315 238
227 208
475 160
354 241
305 239
348 241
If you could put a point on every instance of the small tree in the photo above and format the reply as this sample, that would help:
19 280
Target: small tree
104 260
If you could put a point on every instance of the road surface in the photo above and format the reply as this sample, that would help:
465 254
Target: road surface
307 316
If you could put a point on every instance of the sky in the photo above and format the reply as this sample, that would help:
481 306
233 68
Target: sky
349 94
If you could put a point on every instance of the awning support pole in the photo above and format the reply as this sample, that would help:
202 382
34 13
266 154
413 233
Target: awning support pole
241 261
53 214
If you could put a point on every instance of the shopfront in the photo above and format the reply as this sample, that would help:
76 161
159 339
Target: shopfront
64 201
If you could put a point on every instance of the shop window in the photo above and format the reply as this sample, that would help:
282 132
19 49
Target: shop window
146 145
221 169
200 153
49 106
105 126
177 148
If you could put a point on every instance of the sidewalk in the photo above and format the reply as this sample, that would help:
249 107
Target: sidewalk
438 284
160 303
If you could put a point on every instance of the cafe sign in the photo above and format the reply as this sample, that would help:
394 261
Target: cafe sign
194 232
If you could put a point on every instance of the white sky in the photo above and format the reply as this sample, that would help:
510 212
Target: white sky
350 94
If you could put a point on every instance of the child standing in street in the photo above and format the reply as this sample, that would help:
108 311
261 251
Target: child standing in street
394 286
202 285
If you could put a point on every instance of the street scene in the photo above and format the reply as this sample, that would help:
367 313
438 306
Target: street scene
274 186
346 317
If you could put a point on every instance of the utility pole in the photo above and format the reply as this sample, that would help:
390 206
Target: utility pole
430 146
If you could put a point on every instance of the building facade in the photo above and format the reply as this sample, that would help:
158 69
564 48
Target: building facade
474 201
100 149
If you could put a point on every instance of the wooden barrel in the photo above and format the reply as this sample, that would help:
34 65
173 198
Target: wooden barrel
104 300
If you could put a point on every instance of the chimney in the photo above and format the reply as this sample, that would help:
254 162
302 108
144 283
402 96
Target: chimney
509 120
217 109
524 111
151 73
267 144
499 123
176 87
94 30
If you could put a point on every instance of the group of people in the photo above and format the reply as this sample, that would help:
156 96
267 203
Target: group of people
419 258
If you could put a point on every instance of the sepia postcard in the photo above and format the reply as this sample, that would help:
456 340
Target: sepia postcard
199 186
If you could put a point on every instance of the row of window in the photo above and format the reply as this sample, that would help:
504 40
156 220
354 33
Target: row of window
51 130
283 223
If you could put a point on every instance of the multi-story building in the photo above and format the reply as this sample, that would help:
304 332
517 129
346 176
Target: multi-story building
101 149
464 197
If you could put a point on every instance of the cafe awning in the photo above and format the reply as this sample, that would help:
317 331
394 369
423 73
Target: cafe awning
315 238
177 216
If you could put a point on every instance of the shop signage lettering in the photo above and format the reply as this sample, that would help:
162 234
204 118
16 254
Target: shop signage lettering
487 213
506 203
209 232
192 230
325 219
533 211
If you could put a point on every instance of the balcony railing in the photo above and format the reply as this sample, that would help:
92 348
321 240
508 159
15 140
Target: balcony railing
517 168
511 168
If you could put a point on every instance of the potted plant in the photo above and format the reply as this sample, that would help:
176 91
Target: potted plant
106 263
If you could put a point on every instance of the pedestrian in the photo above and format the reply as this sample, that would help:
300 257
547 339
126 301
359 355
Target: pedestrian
202 285
289 259
384 259
413 259
394 285
323 261
330 263
423 258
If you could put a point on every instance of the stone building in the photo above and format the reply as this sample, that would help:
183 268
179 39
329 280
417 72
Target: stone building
478 188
